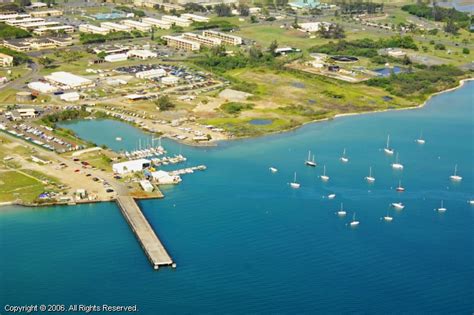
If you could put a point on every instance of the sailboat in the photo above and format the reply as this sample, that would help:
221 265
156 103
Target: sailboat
324 177
387 149
331 196
398 205
370 178
295 184
342 212
309 161
442 208
343 158
471 202
273 169
388 218
455 177
420 140
400 188
354 222
397 165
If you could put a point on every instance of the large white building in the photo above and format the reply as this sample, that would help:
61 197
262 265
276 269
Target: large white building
141 54
149 74
24 21
116 57
53 29
42 87
66 80
157 23
312 27
179 42
164 178
131 166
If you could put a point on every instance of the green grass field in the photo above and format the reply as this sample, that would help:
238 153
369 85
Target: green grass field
14 185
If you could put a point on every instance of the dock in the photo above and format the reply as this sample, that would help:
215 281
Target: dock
149 241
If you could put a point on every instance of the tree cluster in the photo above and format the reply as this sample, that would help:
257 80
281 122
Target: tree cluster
223 10
333 31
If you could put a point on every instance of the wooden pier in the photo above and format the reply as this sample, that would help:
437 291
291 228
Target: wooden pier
150 243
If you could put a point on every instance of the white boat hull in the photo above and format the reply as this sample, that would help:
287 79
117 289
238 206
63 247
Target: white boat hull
388 219
341 213
420 141
354 223
398 206
442 209
388 151
397 166
310 163
370 179
455 178
273 170
331 196
344 160
295 185
324 178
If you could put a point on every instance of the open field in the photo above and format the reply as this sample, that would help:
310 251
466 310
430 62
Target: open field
14 185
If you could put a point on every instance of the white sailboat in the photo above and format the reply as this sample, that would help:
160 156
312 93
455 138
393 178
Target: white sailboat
324 177
397 165
310 161
354 222
331 196
342 212
400 188
455 177
343 158
388 218
387 148
398 205
420 140
295 184
370 178
471 202
273 169
442 208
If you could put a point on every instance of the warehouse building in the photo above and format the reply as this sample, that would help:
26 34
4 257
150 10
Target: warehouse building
149 74
141 54
131 166
116 57
66 80
42 87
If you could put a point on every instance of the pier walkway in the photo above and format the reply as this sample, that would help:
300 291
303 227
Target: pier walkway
150 243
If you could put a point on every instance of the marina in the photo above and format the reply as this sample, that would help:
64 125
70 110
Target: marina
249 202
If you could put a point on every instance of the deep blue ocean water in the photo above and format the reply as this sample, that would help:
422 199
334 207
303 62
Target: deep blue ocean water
244 242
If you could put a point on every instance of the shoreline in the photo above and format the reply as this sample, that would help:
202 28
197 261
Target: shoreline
215 143
460 84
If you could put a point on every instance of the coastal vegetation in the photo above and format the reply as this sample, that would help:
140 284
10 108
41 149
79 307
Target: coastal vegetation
234 108
454 19
419 84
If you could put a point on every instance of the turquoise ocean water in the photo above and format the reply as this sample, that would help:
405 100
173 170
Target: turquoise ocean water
244 242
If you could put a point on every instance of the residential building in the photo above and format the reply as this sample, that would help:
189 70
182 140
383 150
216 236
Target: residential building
205 41
157 23
195 18
35 25
177 20
115 27
54 29
46 13
224 37
27 44
179 42
139 26
6 60
92 29
24 21
9 16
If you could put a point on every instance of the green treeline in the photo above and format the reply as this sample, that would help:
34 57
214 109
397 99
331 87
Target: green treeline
364 47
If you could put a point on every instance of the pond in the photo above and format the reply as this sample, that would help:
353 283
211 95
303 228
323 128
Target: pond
261 122
385 72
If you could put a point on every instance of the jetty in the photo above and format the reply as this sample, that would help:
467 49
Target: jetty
149 241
